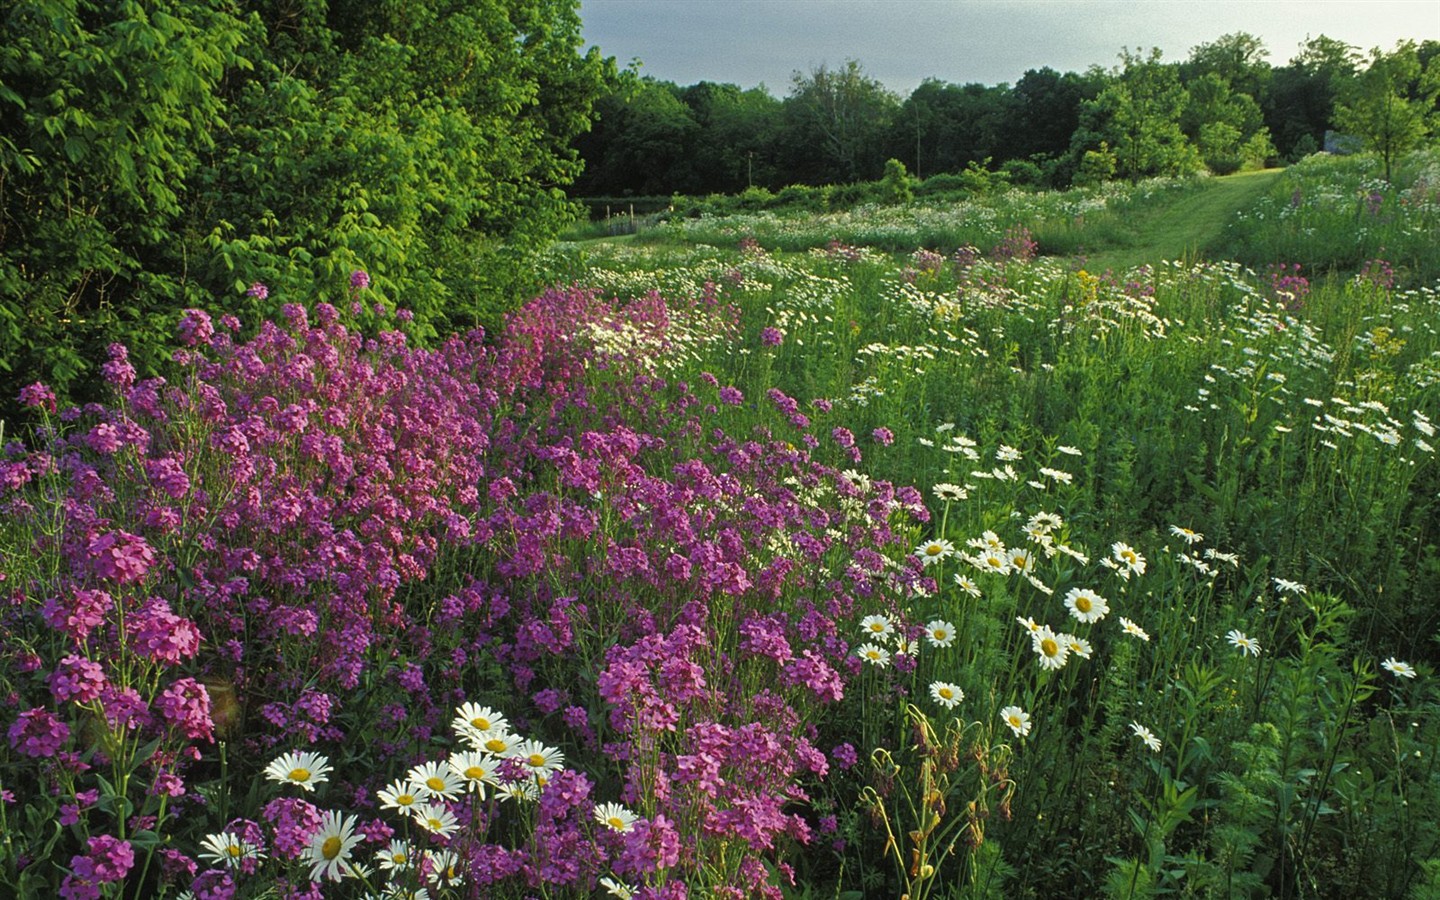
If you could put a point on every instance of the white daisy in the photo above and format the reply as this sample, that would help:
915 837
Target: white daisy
877 626
435 818
615 817
1078 645
538 759
329 851
1399 669
229 850
475 769
618 889
473 719
1047 645
399 794
939 633
398 856
1086 605
1286 586
966 585
1146 735
435 779
300 768
1018 720
1129 557
1186 534
934 551
1134 630
1242 643
874 654
946 694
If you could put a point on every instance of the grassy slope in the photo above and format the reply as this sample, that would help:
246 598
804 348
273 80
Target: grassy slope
1188 227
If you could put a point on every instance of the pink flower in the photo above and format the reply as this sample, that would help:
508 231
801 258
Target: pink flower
185 706
38 396
121 556
196 327
38 733
77 678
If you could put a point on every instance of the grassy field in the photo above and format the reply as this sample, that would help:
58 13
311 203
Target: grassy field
928 551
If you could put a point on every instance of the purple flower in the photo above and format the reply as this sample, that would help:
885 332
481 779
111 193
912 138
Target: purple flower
77 678
771 337
185 706
845 756
883 435
38 396
359 280
258 290
38 733
121 556
731 396
196 327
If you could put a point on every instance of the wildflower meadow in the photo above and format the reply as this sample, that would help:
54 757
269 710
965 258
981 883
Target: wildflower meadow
759 557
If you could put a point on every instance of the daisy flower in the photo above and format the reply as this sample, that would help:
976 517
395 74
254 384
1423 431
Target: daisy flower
435 818
939 633
874 653
967 585
329 850
1048 646
946 694
1069 451
1242 643
474 719
997 561
617 888
299 767
1077 645
1398 669
1044 522
934 551
1021 561
537 758
615 817
1146 735
498 743
434 779
1186 534
1132 629
950 492
399 794
1129 557
991 541
444 867
1018 720
475 769
1286 586
399 855
1086 605
226 849
877 626
1028 624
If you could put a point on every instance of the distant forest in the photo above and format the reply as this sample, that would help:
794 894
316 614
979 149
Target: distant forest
1223 108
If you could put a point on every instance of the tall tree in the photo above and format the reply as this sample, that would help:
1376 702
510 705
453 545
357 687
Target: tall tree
835 122
1138 115
1299 99
1391 105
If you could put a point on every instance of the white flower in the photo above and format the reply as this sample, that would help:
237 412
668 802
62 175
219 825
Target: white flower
934 551
329 850
1069 451
946 694
877 626
966 585
1186 535
229 850
301 768
476 769
874 654
398 794
618 889
1047 645
1132 629
473 720
939 633
1078 645
435 818
1399 669
537 758
1086 605
615 817
1285 586
435 779
1146 735
1242 643
1018 720
399 855
1129 557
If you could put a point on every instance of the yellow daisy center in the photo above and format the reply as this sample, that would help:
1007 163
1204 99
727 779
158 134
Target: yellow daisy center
434 824
946 693
475 773
1129 556
331 848
435 783
480 723
938 634
876 627
615 822
535 760
1049 647
495 745
298 774
398 858
234 850
1014 721
934 550
404 799
1083 603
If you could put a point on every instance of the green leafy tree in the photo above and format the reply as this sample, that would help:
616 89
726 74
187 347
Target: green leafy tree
1391 105
1299 100
169 153
1138 115
835 121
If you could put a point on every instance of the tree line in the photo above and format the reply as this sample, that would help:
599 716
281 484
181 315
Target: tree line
1221 108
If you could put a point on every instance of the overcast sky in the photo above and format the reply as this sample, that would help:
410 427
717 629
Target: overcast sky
902 42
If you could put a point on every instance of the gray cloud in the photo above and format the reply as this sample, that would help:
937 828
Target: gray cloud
902 42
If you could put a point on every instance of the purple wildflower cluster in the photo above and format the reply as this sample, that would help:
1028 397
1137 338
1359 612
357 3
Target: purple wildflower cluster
309 512
1016 246
1288 286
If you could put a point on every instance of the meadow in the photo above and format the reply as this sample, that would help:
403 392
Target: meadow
909 551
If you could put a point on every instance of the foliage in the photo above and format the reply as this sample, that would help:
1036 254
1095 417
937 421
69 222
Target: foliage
154 157
1391 104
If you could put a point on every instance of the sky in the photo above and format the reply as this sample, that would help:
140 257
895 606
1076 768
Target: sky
903 42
